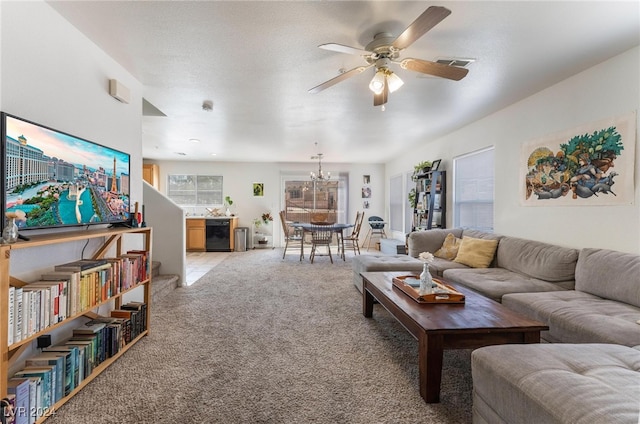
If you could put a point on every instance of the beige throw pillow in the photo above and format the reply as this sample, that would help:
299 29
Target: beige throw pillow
476 253
449 248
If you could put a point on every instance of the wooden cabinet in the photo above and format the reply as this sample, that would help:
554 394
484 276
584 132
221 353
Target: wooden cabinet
196 235
113 238
430 201
151 174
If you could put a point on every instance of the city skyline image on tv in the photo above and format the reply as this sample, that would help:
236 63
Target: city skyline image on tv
54 179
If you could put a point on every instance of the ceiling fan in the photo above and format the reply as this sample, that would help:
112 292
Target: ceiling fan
385 50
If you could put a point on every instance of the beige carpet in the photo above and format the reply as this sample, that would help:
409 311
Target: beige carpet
262 340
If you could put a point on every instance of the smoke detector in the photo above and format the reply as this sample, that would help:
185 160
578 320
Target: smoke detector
207 105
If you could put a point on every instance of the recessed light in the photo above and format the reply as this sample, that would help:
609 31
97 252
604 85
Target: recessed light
194 140
213 154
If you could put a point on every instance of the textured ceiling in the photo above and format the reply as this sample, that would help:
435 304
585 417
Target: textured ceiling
257 60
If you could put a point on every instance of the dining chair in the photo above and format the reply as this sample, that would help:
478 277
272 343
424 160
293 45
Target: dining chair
292 237
352 241
321 235
376 226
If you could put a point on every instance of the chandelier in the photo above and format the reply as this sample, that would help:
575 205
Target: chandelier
320 176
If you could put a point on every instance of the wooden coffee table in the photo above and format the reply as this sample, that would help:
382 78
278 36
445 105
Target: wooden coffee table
478 322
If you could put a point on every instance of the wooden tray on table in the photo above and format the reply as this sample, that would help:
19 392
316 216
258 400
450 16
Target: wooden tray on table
444 292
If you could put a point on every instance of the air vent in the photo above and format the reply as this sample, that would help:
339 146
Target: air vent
460 63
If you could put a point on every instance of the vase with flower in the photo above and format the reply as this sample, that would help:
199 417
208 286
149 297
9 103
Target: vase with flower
426 281
228 202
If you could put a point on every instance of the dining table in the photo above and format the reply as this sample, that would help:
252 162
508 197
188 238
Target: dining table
336 227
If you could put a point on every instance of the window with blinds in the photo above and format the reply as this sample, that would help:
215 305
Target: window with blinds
473 181
195 190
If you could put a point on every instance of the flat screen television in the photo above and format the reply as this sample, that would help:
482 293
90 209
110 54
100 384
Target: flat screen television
54 179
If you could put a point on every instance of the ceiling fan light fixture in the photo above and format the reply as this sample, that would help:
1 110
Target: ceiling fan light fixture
394 82
377 83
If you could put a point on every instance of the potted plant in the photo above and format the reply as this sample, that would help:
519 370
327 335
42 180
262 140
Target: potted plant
421 168
228 202
412 198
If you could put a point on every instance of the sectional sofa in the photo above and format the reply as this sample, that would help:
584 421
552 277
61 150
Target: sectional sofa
589 298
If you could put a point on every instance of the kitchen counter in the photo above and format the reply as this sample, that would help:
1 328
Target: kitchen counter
203 235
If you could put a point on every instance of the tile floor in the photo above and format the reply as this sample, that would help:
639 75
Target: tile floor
199 263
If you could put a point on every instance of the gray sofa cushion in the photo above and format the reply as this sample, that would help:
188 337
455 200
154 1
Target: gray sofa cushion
556 383
609 274
536 259
496 282
430 240
578 317
364 263
481 234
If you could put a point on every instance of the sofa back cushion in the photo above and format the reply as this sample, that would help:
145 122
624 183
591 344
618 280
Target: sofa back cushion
536 259
476 252
449 249
481 234
429 240
609 274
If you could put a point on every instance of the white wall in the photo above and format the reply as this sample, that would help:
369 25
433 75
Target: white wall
607 90
53 75
238 179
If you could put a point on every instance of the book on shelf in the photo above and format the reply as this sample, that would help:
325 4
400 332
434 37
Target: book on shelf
80 265
11 323
132 322
89 344
116 277
141 307
114 335
72 364
19 387
26 302
98 329
145 264
73 282
45 374
36 312
57 299
84 356
35 396
18 314
58 372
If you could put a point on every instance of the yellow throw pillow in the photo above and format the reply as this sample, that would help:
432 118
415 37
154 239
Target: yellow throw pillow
449 248
476 253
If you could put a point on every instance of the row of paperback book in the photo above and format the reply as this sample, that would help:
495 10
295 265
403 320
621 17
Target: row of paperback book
57 370
71 289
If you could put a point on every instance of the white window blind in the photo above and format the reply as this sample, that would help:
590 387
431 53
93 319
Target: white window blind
192 190
395 199
473 180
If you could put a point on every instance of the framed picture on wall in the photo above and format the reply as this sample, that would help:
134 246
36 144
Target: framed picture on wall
435 165
366 179
258 189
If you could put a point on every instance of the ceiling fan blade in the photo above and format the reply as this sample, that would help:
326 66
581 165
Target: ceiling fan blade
341 77
433 68
340 48
380 99
429 18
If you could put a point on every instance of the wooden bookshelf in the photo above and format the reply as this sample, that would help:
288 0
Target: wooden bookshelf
113 238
